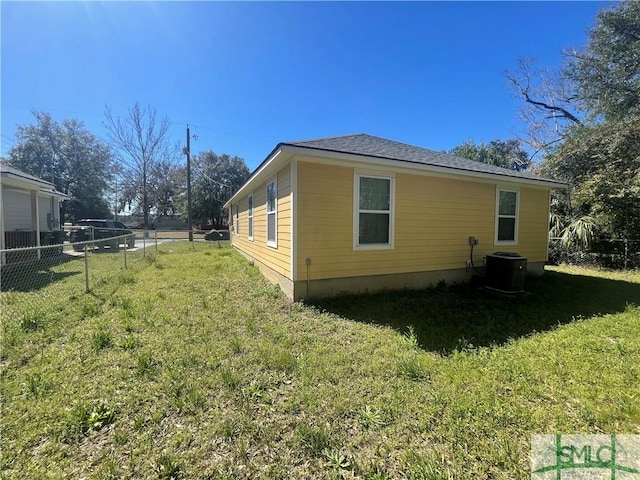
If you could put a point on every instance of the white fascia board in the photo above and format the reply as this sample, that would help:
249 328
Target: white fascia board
264 170
349 159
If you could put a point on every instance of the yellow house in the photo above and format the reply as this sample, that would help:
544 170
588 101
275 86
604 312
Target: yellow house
360 213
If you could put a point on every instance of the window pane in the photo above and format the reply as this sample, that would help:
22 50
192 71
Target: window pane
375 193
271 228
374 228
250 206
507 203
271 197
251 226
506 229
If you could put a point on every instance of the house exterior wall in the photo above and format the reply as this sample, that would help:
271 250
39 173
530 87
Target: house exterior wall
433 216
274 261
16 209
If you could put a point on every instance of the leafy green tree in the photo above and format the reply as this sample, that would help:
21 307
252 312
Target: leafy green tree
146 154
602 164
70 157
507 153
607 73
214 178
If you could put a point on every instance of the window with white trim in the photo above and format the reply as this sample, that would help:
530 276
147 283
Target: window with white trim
507 204
250 216
373 209
272 220
237 219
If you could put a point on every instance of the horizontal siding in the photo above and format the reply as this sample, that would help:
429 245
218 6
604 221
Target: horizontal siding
434 217
16 208
279 259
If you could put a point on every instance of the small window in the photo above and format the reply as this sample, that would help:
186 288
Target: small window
507 217
272 221
237 219
373 212
250 216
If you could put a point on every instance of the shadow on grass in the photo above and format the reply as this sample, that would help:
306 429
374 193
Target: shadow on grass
29 276
462 316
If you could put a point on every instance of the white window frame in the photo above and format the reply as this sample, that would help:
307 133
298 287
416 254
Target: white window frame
356 210
237 229
498 216
272 243
250 216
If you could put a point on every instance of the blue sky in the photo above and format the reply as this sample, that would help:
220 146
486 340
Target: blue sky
246 76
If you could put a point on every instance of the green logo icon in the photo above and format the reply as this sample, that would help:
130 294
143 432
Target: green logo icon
567 457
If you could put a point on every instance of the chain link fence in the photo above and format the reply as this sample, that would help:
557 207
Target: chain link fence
618 254
34 276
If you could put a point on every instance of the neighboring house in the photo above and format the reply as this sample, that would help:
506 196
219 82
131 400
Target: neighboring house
360 213
30 210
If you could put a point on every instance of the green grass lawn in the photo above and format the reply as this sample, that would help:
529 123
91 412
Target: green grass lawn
190 365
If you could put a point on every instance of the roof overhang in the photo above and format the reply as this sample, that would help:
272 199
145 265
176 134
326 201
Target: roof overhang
15 181
283 152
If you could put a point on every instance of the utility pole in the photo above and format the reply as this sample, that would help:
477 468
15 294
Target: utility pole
189 221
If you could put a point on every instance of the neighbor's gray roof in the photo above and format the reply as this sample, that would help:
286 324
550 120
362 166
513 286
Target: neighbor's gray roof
46 187
363 144
6 170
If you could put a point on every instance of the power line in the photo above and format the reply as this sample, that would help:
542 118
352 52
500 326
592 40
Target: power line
180 124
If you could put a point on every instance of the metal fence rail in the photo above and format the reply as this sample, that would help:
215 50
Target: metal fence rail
621 254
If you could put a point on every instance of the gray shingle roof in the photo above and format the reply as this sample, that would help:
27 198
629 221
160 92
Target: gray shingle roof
363 144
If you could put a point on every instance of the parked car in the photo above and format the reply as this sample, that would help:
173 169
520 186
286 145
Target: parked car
92 229
216 235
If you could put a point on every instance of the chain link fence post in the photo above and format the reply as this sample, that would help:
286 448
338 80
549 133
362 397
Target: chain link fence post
86 268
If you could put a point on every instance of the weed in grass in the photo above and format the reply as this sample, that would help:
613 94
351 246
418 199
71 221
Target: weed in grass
128 326
129 343
145 363
36 385
90 308
314 440
120 437
31 321
371 417
410 367
229 429
188 397
253 392
236 345
250 323
241 453
101 339
335 459
168 468
278 358
411 339
82 420
230 377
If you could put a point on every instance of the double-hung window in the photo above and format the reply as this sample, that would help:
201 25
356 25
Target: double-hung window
250 216
272 220
373 211
507 204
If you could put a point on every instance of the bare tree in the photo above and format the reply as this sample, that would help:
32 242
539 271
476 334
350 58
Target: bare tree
143 146
550 103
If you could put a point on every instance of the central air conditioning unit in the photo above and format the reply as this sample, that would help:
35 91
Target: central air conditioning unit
505 272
